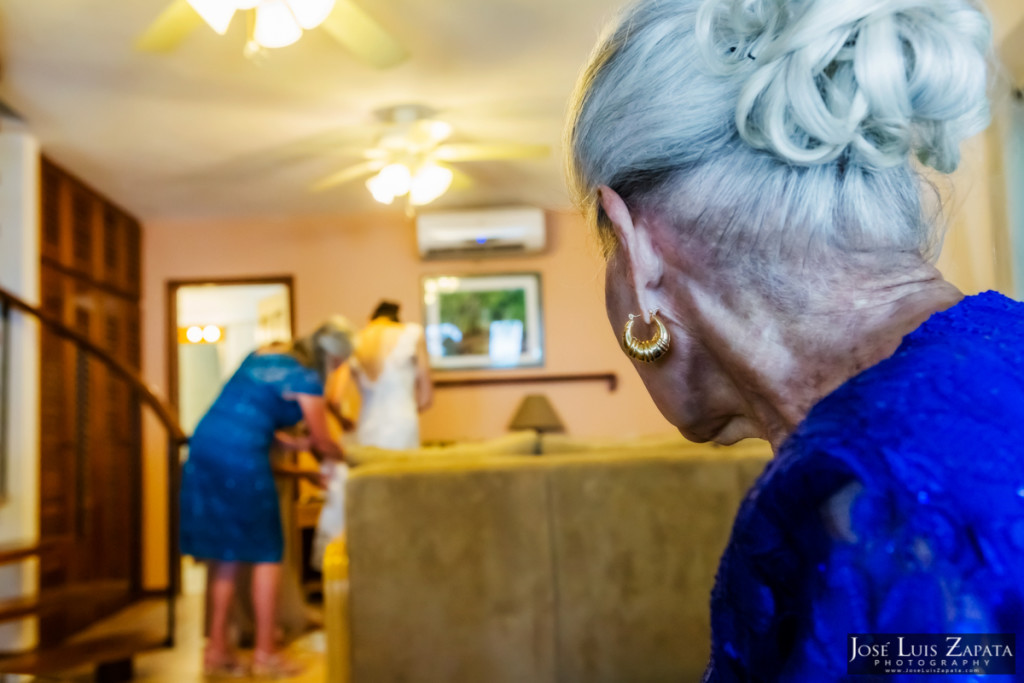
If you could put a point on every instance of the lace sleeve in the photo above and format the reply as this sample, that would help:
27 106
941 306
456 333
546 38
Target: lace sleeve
910 564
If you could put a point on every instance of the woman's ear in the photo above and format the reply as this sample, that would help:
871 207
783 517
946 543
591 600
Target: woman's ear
635 240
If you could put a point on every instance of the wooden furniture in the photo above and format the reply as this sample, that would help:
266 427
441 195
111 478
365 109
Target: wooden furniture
111 643
90 460
307 513
89 547
610 377
300 512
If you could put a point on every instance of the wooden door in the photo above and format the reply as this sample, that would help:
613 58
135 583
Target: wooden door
90 483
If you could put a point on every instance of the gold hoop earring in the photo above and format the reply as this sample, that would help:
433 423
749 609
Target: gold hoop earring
648 350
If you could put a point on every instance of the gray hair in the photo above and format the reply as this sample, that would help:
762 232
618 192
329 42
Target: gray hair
781 125
332 339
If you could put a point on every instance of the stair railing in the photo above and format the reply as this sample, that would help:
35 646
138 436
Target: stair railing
86 348
5 375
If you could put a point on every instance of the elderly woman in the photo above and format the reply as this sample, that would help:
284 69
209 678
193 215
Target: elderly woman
749 166
229 504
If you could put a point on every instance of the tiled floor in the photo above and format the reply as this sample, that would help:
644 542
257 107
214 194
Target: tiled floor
183 663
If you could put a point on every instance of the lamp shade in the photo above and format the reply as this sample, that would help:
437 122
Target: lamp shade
536 412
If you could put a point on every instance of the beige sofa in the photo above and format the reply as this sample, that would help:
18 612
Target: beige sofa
592 563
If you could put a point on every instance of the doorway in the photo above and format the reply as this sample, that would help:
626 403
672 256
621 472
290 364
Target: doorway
213 325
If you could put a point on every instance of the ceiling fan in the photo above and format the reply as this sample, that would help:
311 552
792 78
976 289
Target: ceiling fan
412 159
274 24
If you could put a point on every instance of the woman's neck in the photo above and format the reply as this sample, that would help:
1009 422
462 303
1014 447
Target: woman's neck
784 362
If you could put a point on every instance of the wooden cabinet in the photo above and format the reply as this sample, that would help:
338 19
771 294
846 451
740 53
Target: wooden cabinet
90 479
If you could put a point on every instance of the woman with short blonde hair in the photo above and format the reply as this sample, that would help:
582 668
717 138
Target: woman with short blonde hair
230 513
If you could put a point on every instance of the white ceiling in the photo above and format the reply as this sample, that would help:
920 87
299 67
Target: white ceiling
204 132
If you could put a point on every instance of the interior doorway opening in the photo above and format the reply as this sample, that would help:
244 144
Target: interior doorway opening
213 326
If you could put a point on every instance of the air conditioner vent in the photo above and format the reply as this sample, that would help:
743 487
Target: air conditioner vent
489 232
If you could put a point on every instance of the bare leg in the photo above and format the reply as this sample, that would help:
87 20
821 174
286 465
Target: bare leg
266 581
222 590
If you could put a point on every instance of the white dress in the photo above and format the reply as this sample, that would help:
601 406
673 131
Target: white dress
389 417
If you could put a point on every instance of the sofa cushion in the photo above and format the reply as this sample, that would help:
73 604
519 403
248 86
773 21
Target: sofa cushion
514 443
591 567
637 541
450 572
556 444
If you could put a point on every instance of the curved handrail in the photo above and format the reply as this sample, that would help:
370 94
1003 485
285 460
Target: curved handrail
162 410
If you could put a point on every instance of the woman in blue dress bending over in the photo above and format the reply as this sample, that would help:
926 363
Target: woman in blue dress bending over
753 169
229 504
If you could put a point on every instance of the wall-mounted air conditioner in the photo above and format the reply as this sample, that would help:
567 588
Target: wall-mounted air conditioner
485 232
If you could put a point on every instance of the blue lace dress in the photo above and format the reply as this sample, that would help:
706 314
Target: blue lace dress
229 505
934 435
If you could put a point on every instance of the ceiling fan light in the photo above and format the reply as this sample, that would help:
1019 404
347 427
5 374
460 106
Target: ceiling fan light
440 130
311 13
378 188
430 182
397 178
216 13
276 25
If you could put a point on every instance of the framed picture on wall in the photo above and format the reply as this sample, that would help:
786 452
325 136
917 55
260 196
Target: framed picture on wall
483 321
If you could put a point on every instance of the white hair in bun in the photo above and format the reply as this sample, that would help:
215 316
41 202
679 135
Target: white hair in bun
779 125
876 79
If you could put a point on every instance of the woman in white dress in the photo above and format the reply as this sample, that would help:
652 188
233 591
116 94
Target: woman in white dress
389 366
390 370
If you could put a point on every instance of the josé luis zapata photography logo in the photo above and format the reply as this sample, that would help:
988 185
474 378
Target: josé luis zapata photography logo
931 653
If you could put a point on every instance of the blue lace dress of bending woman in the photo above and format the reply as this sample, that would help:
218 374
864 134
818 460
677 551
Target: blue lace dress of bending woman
229 504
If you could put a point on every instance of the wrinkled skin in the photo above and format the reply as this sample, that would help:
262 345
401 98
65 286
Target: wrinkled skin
740 364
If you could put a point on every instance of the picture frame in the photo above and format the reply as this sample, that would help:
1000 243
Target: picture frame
489 321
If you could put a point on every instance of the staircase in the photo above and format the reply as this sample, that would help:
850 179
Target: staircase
78 616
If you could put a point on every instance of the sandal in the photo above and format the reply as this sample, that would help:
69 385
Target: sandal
223 666
274 665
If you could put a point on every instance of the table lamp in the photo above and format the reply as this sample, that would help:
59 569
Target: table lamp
536 412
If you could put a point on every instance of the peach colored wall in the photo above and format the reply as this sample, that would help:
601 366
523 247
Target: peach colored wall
345 265
975 254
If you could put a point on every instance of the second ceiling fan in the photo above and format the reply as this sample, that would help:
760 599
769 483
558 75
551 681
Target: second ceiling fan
413 158
276 23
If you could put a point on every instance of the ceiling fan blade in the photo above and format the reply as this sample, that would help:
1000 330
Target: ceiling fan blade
363 36
487 151
347 174
170 28
460 179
